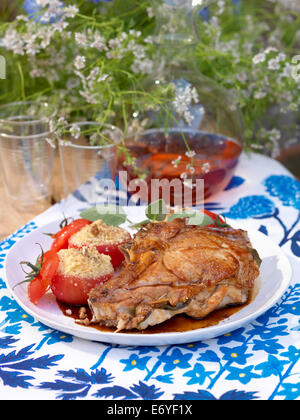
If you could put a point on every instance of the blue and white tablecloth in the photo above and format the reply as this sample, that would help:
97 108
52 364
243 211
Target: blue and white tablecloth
259 361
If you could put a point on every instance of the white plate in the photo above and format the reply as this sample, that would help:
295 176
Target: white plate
273 281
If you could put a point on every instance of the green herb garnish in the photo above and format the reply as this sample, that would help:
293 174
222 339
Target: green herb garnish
157 211
109 214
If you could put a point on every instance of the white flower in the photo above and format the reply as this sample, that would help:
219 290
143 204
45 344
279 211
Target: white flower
42 3
150 12
288 70
62 121
259 58
44 34
60 26
184 97
270 49
273 64
293 107
81 39
13 42
214 22
189 167
115 44
274 134
190 154
37 73
93 74
221 5
89 96
260 95
23 18
75 131
143 66
281 57
149 40
98 42
70 11
123 36
176 162
80 62
102 78
136 34
32 48
206 167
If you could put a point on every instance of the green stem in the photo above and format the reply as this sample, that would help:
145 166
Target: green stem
22 81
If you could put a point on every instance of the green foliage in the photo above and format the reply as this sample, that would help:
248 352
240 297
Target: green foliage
109 214
248 51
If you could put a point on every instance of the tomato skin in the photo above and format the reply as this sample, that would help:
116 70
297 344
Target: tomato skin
74 290
39 286
117 257
36 290
49 268
215 217
62 237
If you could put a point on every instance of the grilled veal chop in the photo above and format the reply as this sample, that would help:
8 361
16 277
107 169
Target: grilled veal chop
173 268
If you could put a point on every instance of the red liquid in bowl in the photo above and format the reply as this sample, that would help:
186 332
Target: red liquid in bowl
215 161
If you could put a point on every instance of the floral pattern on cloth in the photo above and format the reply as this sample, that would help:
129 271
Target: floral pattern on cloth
287 190
256 362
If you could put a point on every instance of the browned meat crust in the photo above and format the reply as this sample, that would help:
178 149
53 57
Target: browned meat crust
174 268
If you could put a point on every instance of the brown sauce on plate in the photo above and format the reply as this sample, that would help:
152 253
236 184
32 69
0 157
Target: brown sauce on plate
178 324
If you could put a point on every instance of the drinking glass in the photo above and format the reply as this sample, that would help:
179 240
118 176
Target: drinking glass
26 153
88 163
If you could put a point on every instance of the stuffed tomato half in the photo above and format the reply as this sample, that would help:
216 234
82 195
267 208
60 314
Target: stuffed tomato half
106 239
78 272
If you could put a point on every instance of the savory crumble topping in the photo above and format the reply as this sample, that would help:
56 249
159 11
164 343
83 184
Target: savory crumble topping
98 233
84 263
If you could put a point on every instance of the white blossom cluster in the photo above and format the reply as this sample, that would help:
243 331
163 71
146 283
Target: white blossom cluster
190 167
185 97
263 76
292 5
54 10
87 62
270 139
38 37
57 53
117 48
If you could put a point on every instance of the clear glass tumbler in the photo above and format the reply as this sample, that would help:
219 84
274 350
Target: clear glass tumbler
88 155
26 153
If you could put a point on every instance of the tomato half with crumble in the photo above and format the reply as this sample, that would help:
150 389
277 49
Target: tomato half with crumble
61 238
106 239
79 271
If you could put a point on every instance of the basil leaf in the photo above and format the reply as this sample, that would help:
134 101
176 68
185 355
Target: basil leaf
113 219
109 214
201 219
157 211
90 214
